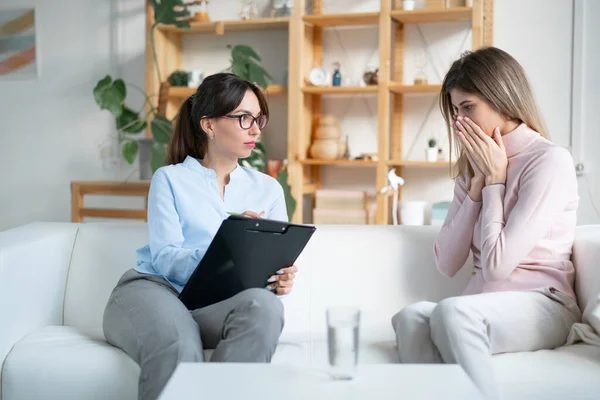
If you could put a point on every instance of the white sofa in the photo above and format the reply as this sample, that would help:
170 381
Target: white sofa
55 279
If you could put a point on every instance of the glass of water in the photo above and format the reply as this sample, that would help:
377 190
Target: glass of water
342 341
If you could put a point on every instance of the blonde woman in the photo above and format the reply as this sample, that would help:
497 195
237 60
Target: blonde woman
514 208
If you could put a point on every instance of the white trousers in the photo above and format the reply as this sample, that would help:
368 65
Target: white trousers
467 330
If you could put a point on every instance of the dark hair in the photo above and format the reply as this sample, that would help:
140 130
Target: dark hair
217 95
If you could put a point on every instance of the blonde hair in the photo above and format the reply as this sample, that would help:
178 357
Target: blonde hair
496 77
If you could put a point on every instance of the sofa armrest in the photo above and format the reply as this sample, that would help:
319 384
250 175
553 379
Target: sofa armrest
34 264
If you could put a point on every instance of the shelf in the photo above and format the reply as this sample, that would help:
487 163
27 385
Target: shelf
311 161
176 92
220 27
399 88
420 164
326 20
432 15
339 89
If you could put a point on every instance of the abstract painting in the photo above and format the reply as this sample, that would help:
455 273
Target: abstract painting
18 44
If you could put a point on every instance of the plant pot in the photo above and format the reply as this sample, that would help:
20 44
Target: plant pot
145 159
431 154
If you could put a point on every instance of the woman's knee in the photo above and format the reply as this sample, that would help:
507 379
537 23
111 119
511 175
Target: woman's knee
168 334
264 308
411 316
451 314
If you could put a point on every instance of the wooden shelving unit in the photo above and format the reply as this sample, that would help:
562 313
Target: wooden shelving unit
339 89
305 50
221 27
432 15
325 20
178 93
305 102
310 161
420 164
168 40
399 88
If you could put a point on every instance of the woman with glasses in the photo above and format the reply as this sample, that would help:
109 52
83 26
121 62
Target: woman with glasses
188 200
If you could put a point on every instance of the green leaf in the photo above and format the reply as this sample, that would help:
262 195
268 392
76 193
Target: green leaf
244 53
240 69
110 95
159 156
161 129
290 202
130 150
129 121
257 75
171 12
257 159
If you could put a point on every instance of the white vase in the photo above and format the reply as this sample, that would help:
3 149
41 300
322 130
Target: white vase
408 5
431 154
145 158
412 212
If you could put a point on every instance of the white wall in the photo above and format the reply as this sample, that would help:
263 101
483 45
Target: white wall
51 127
52 130
588 116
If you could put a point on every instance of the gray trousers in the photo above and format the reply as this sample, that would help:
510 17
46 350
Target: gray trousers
145 318
467 330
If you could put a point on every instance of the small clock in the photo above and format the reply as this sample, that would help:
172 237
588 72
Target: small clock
319 76
281 8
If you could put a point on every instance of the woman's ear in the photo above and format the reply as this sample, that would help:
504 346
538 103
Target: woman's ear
207 126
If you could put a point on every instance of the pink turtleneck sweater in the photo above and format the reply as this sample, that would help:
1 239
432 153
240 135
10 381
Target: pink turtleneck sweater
521 233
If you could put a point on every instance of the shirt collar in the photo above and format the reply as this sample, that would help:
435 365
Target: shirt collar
194 164
519 139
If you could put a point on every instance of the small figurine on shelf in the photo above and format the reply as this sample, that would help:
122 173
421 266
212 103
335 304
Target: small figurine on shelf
431 153
337 75
248 10
371 75
281 8
421 64
347 150
199 10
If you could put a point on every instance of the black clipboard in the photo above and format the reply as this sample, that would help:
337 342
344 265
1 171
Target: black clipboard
244 253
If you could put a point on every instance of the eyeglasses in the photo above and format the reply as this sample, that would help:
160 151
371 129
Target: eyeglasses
246 120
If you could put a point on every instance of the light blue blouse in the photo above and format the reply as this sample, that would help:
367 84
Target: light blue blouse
185 211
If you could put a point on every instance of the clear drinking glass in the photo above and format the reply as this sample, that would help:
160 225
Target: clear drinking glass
342 341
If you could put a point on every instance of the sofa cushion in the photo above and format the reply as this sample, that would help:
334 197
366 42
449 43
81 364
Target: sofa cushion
60 362
568 372
586 257
101 254
379 269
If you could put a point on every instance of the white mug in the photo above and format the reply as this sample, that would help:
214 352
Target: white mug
408 5
195 78
412 212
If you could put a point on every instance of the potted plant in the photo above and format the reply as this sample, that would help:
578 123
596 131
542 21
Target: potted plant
431 153
110 94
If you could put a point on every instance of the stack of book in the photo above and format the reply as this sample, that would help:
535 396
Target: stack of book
343 207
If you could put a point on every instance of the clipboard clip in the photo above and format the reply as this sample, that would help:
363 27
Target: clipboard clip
258 225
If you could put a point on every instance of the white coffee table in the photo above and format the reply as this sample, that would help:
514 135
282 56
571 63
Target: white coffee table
276 382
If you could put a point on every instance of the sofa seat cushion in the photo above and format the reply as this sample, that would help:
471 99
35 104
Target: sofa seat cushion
568 372
62 362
